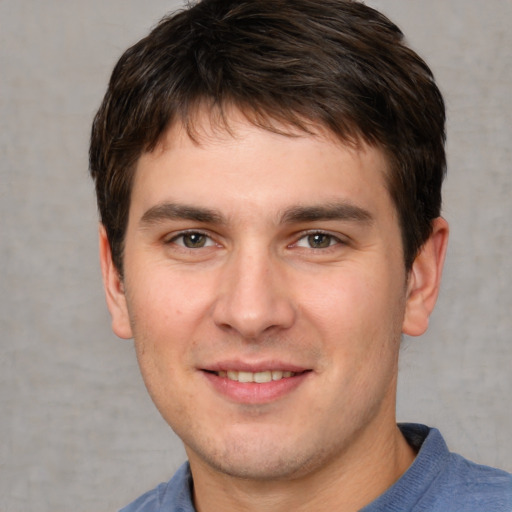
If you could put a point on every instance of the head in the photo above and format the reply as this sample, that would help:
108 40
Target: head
336 65
265 171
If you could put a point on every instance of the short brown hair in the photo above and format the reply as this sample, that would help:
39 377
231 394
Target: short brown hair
337 64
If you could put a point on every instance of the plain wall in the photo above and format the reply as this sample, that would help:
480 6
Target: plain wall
77 429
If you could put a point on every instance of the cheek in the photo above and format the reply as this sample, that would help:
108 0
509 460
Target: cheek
163 357
167 303
342 303
359 316
162 324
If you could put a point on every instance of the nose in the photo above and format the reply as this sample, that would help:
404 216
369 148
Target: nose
254 297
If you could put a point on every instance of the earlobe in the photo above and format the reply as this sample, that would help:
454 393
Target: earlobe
425 279
114 289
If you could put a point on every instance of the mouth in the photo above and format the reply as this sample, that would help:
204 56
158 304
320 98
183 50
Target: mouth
261 382
261 385
257 377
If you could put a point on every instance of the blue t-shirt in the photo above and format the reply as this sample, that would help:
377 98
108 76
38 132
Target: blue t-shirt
437 481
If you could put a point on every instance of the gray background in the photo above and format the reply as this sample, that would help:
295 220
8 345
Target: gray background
77 430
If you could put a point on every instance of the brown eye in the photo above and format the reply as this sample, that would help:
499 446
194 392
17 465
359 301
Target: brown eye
193 240
320 241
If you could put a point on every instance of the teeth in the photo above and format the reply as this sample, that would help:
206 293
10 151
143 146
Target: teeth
245 377
261 377
258 377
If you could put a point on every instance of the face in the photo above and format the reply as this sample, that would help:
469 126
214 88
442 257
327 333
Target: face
265 288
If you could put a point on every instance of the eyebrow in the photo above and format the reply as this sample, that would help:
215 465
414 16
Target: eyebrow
345 211
173 211
331 211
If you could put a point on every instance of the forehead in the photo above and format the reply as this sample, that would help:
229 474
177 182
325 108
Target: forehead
231 158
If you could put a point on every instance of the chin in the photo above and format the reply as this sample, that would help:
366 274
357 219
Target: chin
264 460
284 468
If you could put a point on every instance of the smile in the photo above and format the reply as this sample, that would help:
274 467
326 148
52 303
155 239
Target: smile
258 377
264 384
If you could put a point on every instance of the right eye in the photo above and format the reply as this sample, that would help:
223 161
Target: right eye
317 240
192 240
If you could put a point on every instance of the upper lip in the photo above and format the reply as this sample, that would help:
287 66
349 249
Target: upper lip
254 367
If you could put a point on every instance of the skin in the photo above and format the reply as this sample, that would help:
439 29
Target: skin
257 251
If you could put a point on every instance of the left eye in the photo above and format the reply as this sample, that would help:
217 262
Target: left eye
193 240
317 241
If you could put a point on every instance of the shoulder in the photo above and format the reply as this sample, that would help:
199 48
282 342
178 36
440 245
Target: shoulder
441 481
171 496
457 484
474 487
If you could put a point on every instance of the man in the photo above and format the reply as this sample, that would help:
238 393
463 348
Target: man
268 175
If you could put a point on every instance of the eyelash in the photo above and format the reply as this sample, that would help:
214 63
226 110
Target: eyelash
333 240
209 242
174 240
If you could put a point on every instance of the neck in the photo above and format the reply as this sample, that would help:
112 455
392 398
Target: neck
361 477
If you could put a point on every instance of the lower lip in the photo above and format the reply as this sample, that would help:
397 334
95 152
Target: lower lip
254 393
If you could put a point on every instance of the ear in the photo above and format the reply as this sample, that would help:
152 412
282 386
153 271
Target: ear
114 289
424 280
